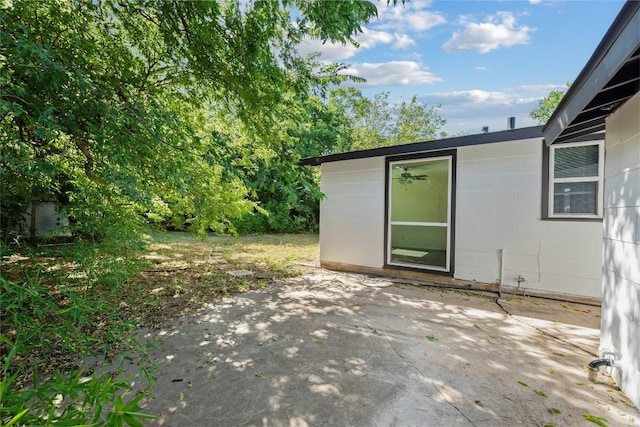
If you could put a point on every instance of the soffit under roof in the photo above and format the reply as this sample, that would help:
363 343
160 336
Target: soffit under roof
610 78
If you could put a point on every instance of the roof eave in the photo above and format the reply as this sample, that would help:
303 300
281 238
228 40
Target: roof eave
620 41
434 145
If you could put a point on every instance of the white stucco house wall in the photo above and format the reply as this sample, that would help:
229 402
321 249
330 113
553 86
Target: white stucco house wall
474 209
605 97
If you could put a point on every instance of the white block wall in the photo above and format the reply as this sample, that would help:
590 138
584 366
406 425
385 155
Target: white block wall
620 331
499 208
352 213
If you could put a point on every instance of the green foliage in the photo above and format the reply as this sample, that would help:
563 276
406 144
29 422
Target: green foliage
540 393
378 123
109 106
327 129
53 316
38 329
337 23
547 105
596 420
287 195
416 122
69 399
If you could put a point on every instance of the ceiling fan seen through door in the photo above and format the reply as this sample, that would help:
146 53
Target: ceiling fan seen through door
406 177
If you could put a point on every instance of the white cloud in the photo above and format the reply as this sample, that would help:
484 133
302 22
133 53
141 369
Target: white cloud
481 99
544 88
472 97
548 3
371 38
328 51
403 41
498 31
412 56
368 39
394 73
408 17
470 110
421 21
482 68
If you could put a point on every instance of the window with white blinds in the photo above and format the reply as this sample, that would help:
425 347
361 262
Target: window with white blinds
575 180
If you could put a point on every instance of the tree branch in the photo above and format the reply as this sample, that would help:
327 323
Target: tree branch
146 16
186 29
89 164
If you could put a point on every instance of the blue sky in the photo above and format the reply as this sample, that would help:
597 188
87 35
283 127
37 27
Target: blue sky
483 61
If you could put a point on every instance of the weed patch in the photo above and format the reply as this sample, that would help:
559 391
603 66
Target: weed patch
60 304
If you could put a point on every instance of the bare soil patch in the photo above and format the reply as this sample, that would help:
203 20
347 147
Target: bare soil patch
186 273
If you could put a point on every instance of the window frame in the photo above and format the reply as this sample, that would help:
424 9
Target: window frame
549 182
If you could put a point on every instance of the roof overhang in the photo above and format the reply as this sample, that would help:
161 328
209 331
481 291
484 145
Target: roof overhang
608 80
427 146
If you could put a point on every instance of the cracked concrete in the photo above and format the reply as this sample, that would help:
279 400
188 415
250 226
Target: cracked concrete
339 349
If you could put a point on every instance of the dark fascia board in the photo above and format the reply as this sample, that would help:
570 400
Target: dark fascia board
621 40
436 144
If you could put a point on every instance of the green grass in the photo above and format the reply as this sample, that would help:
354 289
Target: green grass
59 303
596 420
275 252
540 393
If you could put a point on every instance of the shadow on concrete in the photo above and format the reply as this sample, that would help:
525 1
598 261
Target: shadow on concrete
340 349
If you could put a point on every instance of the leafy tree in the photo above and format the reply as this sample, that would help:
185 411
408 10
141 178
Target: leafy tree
287 195
547 105
327 130
377 123
416 122
109 105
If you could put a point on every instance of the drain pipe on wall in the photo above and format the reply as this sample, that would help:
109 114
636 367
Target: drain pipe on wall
501 273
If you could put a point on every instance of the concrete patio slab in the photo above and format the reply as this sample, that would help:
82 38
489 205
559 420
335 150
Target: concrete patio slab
338 349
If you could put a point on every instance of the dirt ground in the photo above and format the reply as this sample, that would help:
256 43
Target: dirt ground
337 349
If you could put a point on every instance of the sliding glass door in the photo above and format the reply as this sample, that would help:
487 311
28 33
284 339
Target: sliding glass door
419 225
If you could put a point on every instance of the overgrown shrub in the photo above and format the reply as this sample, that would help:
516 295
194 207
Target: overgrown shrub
48 325
278 218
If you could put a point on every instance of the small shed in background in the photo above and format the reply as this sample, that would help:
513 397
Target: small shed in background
44 218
